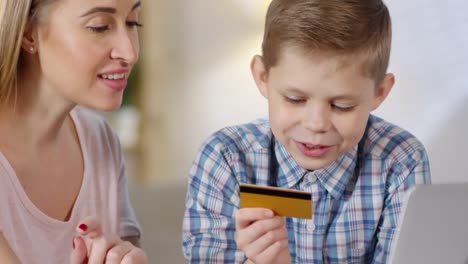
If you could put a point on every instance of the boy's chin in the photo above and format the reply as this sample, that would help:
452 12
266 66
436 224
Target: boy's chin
308 163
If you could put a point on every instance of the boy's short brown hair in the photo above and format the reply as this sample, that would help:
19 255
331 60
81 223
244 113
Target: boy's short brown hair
343 27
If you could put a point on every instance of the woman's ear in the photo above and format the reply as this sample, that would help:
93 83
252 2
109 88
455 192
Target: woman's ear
383 89
257 66
29 40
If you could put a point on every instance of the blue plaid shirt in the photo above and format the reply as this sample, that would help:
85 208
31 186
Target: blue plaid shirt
357 199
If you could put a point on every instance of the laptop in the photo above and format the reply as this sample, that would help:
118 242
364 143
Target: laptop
434 226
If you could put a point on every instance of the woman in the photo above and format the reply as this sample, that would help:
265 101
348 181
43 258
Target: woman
63 188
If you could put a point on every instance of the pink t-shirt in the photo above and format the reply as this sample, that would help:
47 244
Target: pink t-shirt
37 238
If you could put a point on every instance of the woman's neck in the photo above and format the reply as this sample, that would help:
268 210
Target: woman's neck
37 116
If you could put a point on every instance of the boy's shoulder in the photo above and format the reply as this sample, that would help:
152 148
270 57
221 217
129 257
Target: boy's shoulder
385 140
247 137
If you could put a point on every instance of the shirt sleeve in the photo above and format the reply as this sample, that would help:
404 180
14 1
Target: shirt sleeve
403 176
212 197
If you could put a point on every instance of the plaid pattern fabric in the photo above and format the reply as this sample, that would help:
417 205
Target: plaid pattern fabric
357 199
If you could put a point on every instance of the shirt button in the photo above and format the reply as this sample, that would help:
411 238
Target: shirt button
310 226
312 177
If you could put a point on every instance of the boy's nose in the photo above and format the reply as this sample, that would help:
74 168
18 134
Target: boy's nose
126 48
317 119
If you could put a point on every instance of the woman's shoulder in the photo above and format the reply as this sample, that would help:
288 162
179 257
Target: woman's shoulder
89 118
93 129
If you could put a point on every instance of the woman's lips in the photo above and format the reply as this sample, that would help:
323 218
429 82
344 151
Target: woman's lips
116 85
116 79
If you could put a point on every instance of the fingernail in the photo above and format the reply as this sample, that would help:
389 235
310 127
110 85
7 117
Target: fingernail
83 227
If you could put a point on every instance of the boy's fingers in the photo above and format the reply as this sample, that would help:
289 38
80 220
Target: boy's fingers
267 227
266 241
245 216
272 253
79 252
89 227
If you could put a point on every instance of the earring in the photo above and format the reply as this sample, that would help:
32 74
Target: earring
31 49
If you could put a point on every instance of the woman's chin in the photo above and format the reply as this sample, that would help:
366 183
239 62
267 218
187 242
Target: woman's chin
106 107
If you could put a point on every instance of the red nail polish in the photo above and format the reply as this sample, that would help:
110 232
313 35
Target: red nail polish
83 227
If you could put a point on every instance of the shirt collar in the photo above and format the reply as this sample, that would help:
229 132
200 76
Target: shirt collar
334 177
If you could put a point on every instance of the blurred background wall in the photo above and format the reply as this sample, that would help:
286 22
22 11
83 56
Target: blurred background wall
193 78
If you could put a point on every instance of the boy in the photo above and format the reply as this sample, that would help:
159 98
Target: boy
322 70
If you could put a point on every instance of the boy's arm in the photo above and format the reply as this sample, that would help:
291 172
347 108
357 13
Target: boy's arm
411 171
6 254
212 198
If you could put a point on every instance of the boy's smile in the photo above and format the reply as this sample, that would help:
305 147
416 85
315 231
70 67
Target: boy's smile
319 103
313 151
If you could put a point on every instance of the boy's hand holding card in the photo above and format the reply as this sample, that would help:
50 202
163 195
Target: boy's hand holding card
283 202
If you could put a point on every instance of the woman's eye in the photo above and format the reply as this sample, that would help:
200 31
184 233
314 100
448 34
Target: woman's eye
134 24
99 29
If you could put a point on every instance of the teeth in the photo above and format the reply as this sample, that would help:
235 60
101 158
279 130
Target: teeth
115 76
312 146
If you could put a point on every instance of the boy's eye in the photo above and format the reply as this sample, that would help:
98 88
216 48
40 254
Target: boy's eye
99 29
342 108
133 24
294 100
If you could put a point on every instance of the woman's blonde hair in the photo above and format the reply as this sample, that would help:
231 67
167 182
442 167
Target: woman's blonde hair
14 16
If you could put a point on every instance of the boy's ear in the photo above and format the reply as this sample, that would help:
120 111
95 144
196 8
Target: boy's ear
259 74
28 42
383 90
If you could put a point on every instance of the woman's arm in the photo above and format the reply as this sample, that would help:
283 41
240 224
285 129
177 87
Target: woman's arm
6 254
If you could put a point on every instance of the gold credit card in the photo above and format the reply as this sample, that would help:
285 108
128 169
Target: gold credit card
283 202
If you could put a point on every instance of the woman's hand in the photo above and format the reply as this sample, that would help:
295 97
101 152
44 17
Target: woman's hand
262 236
93 247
